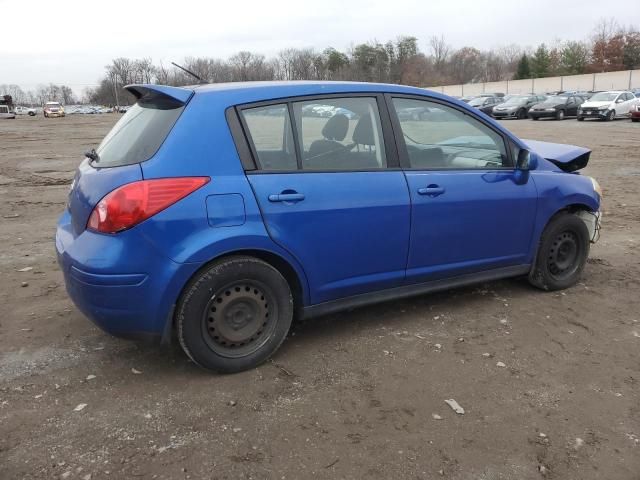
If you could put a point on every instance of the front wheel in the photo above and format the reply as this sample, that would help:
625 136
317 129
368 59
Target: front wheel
562 253
610 116
560 115
522 114
234 315
581 119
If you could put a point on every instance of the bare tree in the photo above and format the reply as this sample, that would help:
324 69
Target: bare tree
440 50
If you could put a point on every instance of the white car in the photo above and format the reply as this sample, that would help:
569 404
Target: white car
5 112
608 105
26 111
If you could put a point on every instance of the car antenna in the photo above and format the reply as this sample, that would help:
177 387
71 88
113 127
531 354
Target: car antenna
202 82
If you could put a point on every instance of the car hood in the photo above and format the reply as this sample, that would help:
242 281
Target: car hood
568 158
595 104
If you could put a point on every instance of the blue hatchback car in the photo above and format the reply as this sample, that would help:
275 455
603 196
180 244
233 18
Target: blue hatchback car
222 212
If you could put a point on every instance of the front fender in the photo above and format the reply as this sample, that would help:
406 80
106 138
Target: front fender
558 191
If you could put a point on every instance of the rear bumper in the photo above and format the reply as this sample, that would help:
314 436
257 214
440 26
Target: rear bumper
119 281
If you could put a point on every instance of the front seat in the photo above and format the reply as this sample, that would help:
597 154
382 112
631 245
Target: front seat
363 135
334 131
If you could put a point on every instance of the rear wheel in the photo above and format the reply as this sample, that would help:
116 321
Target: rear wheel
234 315
560 115
562 253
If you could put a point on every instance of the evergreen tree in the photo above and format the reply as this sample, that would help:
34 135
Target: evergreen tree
523 70
541 62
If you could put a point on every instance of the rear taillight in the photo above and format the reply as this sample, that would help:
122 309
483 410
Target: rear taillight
133 203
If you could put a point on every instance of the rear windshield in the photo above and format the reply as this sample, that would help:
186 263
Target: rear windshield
138 134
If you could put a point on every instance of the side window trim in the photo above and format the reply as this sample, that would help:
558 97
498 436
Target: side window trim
401 145
245 146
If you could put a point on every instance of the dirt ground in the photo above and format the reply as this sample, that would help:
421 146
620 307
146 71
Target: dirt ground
354 395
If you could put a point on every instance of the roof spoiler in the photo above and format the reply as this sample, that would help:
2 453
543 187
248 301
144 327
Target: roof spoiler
148 92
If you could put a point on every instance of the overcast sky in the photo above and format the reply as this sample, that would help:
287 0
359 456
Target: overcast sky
70 41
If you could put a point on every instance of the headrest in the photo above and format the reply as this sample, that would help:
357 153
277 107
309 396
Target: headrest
336 127
363 133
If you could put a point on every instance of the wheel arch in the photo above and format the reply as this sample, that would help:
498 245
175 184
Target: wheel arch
570 208
294 276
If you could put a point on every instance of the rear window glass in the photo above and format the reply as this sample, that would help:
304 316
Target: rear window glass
270 131
139 133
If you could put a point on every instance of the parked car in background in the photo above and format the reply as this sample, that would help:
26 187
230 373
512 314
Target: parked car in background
300 216
467 98
557 106
5 112
6 107
53 109
485 103
25 111
635 113
608 105
516 106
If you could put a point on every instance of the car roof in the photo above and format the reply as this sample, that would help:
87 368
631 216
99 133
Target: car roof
248 92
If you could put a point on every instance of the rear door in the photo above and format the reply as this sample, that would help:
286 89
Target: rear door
469 212
331 191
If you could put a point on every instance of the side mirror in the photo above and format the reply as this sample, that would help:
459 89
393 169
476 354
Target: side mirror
526 161
620 100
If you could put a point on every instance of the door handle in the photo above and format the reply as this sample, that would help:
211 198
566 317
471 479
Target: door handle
431 190
286 197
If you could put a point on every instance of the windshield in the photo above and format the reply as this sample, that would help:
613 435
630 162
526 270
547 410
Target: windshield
138 134
555 100
476 102
603 97
515 101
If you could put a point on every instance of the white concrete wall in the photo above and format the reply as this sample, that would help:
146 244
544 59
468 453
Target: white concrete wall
622 80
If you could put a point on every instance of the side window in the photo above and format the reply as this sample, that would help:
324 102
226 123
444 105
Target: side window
571 101
441 137
270 133
340 134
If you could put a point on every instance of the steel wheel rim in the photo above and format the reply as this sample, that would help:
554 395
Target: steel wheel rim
239 318
564 255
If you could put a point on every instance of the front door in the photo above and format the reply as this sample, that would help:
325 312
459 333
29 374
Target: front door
468 211
327 192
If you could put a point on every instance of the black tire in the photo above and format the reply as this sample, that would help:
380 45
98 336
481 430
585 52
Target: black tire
522 114
535 118
234 314
611 115
562 253
560 115
634 120
581 119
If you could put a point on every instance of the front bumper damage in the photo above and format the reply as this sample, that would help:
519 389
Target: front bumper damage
593 221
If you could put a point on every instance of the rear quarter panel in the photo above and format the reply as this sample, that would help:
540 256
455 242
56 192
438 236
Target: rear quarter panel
201 144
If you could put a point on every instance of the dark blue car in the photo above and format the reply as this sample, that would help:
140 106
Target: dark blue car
223 212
